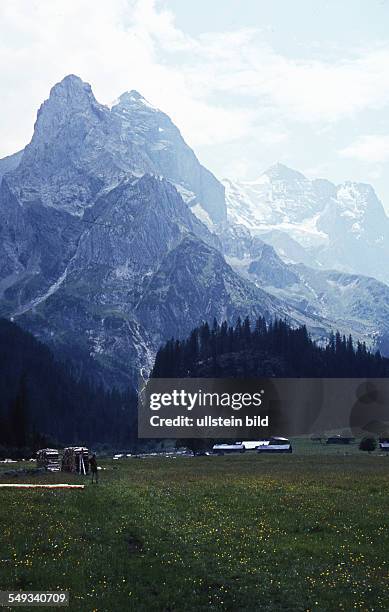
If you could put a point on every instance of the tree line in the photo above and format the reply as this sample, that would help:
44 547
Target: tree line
265 349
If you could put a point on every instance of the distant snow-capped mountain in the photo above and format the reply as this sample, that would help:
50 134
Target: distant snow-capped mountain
314 221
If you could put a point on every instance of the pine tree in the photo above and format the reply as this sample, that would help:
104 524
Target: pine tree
246 333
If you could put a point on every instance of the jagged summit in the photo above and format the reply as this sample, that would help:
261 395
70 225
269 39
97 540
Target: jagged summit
279 171
81 148
71 81
69 98
73 89
130 96
132 99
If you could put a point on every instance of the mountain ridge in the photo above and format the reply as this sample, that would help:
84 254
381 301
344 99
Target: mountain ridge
94 147
336 226
352 303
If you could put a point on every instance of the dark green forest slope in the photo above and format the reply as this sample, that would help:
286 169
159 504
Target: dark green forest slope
266 349
41 401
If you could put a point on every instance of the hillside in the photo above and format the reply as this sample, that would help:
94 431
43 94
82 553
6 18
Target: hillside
41 401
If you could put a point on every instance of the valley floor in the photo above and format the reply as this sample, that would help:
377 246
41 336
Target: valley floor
307 531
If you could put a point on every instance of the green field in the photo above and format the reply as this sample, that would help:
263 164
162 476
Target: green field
307 531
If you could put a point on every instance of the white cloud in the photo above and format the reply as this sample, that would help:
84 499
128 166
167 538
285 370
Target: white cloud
218 87
116 46
375 173
371 148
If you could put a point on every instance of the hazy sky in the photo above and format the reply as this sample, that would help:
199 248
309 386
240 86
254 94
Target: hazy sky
248 82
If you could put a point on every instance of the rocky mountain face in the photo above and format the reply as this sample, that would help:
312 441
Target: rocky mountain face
90 306
149 134
195 273
101 257
314 221
9 163
352 303
81 149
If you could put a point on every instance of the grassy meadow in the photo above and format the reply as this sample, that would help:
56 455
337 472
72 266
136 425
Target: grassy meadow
307 531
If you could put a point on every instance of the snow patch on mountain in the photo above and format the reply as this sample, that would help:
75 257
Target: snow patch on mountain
344 227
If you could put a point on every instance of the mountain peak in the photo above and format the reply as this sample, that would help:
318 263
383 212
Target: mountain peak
63 121
281 172
69 96
70 79
71 86
133 94
132 98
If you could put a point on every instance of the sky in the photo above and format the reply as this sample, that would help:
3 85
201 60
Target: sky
248 82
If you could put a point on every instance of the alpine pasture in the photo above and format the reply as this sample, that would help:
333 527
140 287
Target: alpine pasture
307 531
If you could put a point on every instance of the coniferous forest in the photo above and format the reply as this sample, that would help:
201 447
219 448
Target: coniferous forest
42 403
265 349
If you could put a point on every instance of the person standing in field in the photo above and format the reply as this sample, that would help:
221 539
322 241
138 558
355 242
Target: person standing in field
93 468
